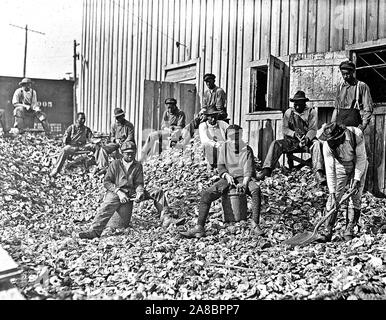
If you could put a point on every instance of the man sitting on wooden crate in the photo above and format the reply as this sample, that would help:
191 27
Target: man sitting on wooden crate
122 130
299 130
346 164
76 138
173 121
236 169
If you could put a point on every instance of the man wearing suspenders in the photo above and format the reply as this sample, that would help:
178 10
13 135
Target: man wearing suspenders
352 97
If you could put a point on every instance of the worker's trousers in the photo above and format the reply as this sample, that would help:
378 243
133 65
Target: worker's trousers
220 188
66 153
102 154
112 204
162 138
21 113
278 147
344 175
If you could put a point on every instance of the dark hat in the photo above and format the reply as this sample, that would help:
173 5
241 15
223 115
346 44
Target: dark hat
25 80
211 110
170 101
209 76
347 65
300 95
128 146
118 112
332 131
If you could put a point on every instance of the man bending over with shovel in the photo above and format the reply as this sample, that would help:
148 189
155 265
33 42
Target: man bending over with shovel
346 164
236 168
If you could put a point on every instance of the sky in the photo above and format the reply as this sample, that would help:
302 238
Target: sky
49 56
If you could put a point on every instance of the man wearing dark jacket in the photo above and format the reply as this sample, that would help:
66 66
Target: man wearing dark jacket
236 169
124 180
122 130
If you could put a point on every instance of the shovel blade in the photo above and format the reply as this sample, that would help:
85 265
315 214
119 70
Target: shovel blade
301 238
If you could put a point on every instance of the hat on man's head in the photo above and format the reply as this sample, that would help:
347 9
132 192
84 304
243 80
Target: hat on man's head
332 131
24 81
209 76
170 101
118 112
299 96
347 65
211 110
128 146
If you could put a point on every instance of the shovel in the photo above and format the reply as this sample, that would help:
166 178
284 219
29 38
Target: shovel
307 237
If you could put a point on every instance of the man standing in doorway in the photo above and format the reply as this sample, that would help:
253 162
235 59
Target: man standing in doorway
352 97
25 102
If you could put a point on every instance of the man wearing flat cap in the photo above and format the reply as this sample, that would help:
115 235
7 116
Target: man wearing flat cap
122 130
25 102
352 98
212 134
124 182
173 121
299 130
346 164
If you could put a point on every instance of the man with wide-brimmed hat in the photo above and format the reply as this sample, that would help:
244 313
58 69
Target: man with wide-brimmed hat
124 182
212 134
122 130
236 168
173 121
346 164
25 102
352 97
299 130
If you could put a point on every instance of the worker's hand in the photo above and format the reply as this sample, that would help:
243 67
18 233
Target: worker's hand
299 135
355 185
123 198
27 107
139 197
229 179
218 144
362 127
240 188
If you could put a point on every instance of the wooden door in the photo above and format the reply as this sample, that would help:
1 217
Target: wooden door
277 84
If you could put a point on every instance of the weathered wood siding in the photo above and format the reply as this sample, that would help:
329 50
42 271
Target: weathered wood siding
127 41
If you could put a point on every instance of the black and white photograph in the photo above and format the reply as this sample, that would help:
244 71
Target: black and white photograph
193 154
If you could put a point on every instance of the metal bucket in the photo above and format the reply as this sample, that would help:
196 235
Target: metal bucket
234 206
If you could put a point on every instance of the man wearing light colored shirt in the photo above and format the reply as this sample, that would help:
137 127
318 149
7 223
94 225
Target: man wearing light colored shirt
25 102
346 164
212 135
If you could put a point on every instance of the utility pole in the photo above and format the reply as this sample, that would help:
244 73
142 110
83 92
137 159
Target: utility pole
76 57
25 44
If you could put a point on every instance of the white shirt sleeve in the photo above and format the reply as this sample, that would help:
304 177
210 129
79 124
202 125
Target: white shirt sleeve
329 162
205 141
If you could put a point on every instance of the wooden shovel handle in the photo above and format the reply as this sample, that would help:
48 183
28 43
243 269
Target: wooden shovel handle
343 199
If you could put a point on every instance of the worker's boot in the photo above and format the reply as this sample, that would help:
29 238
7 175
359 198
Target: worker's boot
326 234
352 218
197 232
265 173
321 178
91 234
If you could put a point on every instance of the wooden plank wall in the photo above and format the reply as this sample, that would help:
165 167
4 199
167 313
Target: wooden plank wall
125 42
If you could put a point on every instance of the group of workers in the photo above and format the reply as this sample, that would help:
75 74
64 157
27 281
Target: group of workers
338 152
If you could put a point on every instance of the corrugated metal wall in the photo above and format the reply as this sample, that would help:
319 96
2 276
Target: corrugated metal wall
127 41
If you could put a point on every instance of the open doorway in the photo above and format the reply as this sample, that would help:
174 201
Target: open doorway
371 69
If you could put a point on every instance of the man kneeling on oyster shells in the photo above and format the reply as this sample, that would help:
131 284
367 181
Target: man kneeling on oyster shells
124 180
236 168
